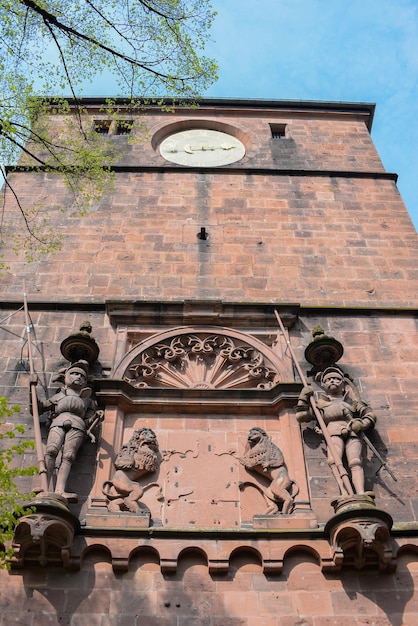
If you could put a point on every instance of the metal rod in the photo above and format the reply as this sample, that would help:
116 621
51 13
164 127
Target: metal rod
337 466
34 398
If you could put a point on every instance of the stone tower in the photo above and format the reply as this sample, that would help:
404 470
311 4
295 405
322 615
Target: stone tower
248 248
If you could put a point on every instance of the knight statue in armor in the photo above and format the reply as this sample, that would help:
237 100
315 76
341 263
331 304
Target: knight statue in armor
73 411
345 416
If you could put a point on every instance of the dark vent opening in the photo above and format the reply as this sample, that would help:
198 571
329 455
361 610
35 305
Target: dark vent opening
124 127
278 131
102 127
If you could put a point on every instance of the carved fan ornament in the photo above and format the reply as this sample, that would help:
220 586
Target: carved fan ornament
201 361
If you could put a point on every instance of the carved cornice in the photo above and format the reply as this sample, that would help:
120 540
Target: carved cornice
272 547
195 312
116 392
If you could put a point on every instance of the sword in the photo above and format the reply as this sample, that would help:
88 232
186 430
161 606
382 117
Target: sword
98 418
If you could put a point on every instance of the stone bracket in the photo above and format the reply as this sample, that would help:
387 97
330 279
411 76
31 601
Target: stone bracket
46 535
51 536
362 539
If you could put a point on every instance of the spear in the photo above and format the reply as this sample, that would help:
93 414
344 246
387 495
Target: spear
34 398
337 467
377 454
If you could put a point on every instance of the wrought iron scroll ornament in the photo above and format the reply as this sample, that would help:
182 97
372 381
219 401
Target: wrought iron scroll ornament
201 362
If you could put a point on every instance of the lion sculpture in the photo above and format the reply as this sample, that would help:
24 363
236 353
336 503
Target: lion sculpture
138 457
264 457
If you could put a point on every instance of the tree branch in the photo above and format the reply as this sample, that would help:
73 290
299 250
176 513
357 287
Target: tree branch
29 229
22 147
68 30
67 74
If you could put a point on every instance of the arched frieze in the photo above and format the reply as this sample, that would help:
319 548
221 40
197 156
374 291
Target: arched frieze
202 358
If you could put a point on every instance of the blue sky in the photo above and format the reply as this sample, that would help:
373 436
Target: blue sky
332 50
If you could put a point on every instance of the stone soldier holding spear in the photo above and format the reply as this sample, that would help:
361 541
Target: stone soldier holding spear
344 417
73 415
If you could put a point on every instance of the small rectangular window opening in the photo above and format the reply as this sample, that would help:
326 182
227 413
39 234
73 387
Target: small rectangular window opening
278 131
102 127
124 127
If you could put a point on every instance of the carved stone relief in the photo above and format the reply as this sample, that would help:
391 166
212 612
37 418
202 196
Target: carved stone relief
264 457
200 434
202 361
210 469
198 478
139 457
201 480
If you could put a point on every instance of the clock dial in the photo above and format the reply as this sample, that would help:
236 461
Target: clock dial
199 147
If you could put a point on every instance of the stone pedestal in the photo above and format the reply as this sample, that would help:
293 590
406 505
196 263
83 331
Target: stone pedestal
285 522
119 520
360 533
45 535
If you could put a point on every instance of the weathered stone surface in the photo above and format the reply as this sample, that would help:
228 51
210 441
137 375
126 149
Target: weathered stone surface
311 219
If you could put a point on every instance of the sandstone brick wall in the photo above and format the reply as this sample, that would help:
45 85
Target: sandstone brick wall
309 218
330 139
317 144
318 241
300 596
341 245
381 355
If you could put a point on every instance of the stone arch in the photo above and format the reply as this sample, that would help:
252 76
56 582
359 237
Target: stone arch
169 129
143 557
245 556
201 357
300 555
96 553
191 556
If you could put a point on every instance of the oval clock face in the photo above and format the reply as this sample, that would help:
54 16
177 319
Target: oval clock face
200 147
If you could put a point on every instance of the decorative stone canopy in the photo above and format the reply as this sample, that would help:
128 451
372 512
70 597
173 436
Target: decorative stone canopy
210 358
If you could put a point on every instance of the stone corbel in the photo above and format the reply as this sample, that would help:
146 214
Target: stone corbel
362 541
218 566
120 563
168 565
45 537
272 566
